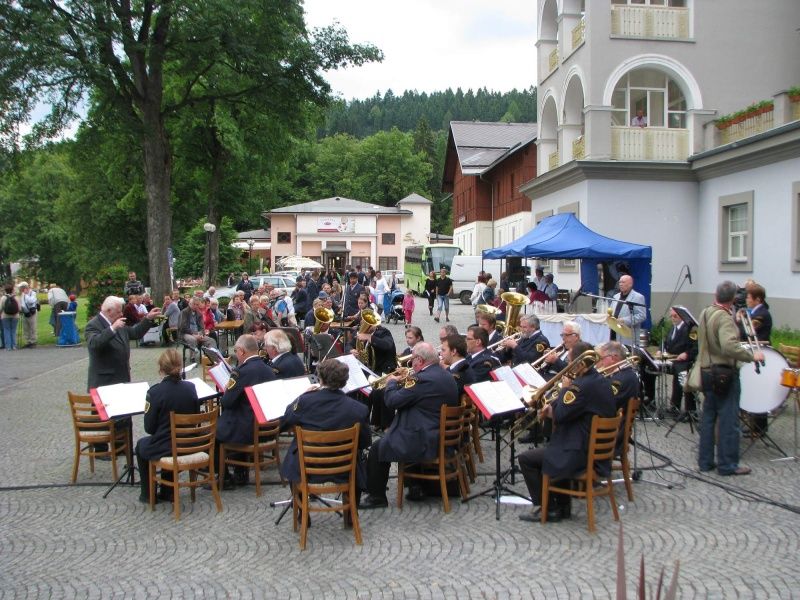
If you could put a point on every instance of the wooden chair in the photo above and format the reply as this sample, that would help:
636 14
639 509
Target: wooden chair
261 453
602 440
468 438
624 463
90 430
447 465
473 420
326 457
192 450
792 354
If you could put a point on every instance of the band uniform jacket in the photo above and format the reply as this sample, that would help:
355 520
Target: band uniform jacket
109 350
462 374
494 337
684 340
235 424
481 364
414 432
385 351
171 395
624 386
588 395
530 349
324 410
762 323
288 365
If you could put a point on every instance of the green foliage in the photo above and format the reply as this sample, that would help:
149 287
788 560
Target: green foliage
109 281
659 330
190 253
794 90
745 113
785 335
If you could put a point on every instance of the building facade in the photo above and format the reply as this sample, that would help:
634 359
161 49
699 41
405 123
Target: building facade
341 231
629 95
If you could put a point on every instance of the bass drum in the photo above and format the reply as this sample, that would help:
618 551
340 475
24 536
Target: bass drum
762 392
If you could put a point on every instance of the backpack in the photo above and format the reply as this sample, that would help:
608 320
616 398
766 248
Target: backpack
11 307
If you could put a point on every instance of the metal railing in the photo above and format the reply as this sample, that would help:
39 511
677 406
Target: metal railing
649 143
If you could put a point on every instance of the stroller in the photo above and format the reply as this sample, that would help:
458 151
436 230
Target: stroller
395 312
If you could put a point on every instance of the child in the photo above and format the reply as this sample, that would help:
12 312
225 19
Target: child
408 306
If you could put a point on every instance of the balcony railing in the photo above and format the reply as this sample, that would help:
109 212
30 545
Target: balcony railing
578 148
578 33
553 60
552 161
796 110
747 127
663 22
649 143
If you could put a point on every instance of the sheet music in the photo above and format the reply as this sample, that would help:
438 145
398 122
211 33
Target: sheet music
203 389
494 398
220 373
357 378
122 398
507 375
272 397
214 355
529 375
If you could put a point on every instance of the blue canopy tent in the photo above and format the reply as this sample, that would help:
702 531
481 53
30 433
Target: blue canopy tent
563 236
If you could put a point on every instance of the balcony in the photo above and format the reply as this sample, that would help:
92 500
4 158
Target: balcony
552 161
578 34
578 148
552 60
651 22
742 128
649 143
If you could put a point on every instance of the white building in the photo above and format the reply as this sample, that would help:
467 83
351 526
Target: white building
725 203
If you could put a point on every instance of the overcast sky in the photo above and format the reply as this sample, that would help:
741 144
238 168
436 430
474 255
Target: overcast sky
430 45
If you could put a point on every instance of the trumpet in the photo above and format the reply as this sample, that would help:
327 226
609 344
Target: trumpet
402 360
406 375
513 336
540 397
557 350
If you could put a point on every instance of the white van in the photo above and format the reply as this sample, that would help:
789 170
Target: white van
464 274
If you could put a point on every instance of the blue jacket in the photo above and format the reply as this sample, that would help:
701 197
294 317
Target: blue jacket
235 424
171 395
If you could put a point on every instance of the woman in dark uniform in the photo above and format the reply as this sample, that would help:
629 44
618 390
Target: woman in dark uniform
171 395
430 290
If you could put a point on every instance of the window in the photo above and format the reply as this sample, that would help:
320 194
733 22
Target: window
387 239
284 237
736 232
387 263
658 97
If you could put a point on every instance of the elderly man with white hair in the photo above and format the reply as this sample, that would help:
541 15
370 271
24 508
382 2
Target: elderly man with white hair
283 361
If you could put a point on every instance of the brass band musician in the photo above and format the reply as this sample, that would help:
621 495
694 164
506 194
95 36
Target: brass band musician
481 361
531 345
570 336
624 379
588 394
282 360
488 323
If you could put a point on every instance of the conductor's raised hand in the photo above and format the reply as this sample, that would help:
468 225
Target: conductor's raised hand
119 323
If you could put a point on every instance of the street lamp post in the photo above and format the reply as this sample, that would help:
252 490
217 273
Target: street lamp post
250 243
209 229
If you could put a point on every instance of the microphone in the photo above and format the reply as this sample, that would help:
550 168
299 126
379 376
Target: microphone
689 274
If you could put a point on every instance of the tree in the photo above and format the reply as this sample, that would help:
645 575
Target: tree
190 253
58 51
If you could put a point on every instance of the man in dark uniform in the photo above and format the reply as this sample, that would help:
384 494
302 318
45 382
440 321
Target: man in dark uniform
580 399
171 395
757 307
681 341
351 293
414 433
380 346
454 351
624 380
531 345
481 361
325 409
488 323
570 336
282 360
235 424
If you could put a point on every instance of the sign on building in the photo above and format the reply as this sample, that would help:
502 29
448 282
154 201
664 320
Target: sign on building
336 225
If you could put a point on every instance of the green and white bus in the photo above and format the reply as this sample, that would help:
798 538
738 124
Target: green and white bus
420 260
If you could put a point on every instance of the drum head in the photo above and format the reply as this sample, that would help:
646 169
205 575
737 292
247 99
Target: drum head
763 392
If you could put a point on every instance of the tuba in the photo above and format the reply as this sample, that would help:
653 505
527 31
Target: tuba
369 318
514 302
323 317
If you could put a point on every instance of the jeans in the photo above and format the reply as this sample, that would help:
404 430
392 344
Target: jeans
10 332
443 304
724 409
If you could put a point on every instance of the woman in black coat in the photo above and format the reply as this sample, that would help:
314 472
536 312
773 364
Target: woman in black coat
171 395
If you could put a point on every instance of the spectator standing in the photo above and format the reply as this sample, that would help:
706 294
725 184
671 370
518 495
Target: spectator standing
9 309
133 285
550 288
408 306
29 306
246 286
430 291
57 298
639 120
444 287
381 288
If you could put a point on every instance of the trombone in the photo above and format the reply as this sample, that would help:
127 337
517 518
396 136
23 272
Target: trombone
513 336
538 362
609 370
541 396
752 338
406 375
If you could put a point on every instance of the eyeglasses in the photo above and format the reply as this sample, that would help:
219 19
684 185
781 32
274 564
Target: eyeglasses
563 335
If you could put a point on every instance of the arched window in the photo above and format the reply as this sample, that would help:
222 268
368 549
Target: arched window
652 92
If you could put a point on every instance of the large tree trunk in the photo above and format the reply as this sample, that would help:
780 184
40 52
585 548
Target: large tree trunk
157 181
218 161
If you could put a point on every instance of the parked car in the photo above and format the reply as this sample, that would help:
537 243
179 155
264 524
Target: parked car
280 282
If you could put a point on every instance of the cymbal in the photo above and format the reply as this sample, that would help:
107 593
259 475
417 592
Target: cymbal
621 329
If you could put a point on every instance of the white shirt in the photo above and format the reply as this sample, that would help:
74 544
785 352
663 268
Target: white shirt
460 360
56 295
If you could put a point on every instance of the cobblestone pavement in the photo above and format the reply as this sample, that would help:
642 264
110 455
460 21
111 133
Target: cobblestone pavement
60 540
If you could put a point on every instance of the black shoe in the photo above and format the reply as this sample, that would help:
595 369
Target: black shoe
553 514
415 494
534 516
146 500
165 494
369 501
240 478
566 511
436 319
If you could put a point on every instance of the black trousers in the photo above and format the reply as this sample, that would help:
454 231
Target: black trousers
530 463
677 389
377 472
144 477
